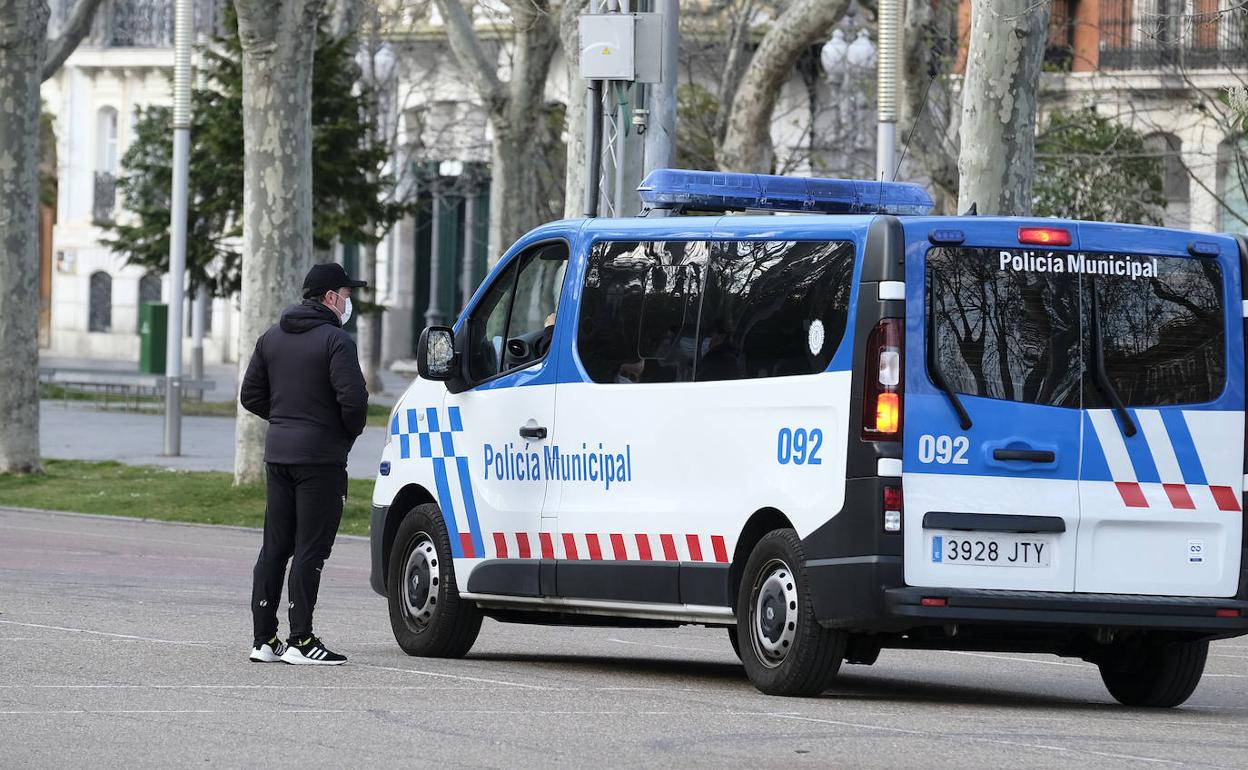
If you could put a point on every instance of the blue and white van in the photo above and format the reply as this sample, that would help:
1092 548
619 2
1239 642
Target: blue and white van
830 433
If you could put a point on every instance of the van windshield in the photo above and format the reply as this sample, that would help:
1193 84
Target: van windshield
1015 324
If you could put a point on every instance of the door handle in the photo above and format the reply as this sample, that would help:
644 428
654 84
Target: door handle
1025 455
532 431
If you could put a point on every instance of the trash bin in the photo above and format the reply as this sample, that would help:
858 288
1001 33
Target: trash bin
153 336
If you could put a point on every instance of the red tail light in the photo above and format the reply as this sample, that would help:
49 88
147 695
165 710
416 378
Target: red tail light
1227 613
1044 236
892 508
881 398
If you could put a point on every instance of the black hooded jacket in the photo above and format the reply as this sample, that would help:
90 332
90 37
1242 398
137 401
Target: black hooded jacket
305 379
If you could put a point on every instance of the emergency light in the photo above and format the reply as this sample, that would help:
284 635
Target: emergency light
670 188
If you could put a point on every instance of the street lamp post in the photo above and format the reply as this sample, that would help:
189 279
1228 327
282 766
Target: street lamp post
183 11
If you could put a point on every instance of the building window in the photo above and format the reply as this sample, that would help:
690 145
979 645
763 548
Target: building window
149 293
1233 185
106 162
100 302
1169 149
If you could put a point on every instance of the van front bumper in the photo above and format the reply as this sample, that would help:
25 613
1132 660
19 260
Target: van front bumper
376 546
868 594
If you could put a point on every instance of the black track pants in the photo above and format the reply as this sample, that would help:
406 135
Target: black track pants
301 520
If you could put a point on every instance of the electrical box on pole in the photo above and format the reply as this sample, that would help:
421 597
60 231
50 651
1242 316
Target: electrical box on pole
622 46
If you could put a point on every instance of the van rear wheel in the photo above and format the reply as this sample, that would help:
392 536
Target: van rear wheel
783 648
428 617
1155 674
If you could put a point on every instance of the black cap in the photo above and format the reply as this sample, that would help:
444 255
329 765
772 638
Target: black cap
328 276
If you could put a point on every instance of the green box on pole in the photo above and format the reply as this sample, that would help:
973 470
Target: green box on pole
153 337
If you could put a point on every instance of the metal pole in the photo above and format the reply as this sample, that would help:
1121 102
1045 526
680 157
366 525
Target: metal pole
886 73
182 21
661 134
433 316
466 282
593 146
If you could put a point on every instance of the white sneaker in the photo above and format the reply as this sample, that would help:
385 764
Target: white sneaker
268 652
311 652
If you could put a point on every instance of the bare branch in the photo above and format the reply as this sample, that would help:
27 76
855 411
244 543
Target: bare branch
473 62
76 28
747 142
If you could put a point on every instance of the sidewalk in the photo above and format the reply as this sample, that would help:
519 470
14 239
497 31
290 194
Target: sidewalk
224 377
79 433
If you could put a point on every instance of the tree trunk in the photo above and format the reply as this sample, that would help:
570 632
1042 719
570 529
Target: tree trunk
278 40
516 109
23 36
997 158
574 174
747 141
518 133
368 327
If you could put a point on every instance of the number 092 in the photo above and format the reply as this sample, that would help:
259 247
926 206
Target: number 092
799 446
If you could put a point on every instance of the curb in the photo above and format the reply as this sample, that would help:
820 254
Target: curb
139 519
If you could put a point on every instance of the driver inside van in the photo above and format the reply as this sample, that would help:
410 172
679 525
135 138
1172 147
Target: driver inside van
542 345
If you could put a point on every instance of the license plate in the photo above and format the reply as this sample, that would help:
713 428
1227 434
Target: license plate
978 549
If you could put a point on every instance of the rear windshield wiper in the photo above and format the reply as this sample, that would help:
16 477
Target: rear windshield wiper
1100 377
938 377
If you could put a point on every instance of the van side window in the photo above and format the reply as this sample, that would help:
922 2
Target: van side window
511 327
773 308
639 310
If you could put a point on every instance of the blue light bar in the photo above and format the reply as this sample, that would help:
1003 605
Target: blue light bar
670 188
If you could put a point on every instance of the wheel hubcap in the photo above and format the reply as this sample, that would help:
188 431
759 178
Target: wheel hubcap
421 577
773 613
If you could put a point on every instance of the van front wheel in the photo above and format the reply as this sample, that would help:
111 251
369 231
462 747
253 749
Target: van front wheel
1155 674
427 615
783 648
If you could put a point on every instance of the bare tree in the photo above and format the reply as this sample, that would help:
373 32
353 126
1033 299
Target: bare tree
516 108
575 123
747 138
929 49
23 66
278 39
997 157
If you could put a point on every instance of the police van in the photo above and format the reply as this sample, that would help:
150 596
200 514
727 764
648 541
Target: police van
857 428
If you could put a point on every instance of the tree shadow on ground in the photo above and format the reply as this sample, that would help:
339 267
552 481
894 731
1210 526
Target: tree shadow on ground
853 684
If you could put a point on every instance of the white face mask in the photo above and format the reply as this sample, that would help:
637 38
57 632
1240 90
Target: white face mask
346 309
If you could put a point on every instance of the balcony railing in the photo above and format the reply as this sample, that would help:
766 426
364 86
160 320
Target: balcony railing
1159 34
104 201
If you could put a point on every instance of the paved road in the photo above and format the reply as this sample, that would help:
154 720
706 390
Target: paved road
124 643
78 433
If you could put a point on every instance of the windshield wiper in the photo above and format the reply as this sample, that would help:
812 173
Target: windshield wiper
1101 378
938 377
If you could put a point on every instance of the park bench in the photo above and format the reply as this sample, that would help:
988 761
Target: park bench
134 388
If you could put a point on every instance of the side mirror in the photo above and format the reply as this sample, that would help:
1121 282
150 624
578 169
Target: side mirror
436 358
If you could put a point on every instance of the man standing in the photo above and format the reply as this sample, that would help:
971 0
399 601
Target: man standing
305 379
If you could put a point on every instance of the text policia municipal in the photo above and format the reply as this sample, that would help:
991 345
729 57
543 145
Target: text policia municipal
1030 261
511 463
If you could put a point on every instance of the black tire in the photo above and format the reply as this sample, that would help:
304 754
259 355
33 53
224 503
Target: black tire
1155 674
427 615
734 641
783 648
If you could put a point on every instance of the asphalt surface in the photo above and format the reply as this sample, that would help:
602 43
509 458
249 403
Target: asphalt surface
124 643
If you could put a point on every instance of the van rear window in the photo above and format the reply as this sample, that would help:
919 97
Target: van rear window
1002 333
1017 325
1164 336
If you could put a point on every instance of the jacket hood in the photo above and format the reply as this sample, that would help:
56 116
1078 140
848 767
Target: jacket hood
307 315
